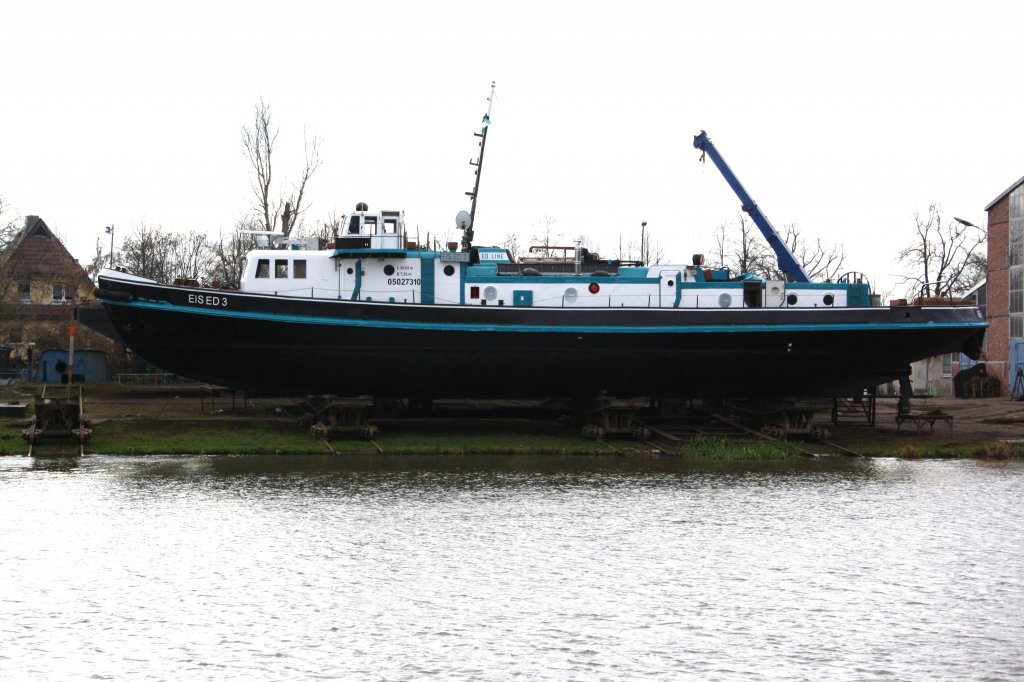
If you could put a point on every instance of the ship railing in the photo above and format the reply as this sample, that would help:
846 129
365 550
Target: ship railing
124 378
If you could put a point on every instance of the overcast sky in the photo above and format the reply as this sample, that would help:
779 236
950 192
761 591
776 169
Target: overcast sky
845 118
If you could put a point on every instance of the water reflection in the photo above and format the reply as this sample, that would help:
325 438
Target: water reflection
376 567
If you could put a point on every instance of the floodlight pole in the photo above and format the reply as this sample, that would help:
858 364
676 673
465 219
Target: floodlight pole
110 231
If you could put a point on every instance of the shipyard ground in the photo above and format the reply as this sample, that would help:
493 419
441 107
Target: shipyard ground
189 419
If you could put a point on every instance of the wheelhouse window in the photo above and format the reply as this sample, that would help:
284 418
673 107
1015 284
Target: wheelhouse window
281 269
263 268
299 269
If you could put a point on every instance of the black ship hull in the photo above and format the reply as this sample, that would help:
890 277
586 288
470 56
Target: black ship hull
306 346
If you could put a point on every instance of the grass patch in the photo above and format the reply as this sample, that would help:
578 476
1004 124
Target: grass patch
10 438
945 447
497 442
718 448
146 437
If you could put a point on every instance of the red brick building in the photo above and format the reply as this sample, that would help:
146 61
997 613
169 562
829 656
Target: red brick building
1005 287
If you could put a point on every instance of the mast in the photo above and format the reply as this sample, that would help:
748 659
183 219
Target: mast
467 235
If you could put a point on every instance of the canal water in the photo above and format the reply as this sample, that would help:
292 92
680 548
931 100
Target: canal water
401 568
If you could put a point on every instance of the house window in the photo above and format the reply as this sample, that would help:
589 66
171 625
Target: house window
280 269
263 268
947 364
299 269
61 292
25 292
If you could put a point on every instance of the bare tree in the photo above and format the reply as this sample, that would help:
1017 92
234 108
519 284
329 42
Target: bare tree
821 261
99 261
544 233
192 256
151 252
10 223
229 253
945 258
740 249
258 146
747 252
512 245
326 230
641 251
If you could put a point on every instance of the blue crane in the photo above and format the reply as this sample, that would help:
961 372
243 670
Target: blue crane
787 262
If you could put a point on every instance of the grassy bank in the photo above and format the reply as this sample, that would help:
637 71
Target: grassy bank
268 436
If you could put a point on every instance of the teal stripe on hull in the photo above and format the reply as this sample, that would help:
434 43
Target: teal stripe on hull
546 328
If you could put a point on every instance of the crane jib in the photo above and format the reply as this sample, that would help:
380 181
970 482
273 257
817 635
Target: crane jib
787 262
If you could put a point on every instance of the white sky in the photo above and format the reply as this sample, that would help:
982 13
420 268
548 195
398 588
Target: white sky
845 118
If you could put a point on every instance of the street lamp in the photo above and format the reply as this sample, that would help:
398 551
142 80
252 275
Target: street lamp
110 231
643 258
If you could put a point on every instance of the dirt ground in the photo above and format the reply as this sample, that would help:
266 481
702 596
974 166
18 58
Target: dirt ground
975 417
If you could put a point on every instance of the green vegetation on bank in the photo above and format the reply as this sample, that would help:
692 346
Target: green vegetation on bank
145 436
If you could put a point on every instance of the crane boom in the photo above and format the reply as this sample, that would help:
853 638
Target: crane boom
787 262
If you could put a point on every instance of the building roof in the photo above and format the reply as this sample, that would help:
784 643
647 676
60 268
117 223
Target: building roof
25 255
973 290
1004 193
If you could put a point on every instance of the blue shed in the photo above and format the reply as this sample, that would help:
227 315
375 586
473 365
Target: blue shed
90 366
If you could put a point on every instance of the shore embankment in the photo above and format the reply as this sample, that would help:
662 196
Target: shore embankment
191 419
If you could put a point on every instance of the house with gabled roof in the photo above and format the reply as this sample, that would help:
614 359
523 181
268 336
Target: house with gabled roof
36 269
40 285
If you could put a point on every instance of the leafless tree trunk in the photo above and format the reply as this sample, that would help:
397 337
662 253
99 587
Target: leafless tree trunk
258 146
944 259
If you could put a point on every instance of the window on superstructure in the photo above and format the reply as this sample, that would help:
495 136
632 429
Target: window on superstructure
263 268
299 269
281 269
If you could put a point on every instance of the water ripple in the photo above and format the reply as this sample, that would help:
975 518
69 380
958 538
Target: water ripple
282 568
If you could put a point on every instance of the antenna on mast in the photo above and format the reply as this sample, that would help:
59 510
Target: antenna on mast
464 221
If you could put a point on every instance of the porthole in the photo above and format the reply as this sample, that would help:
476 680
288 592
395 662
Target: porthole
725 300
490 293
828 299
671 282
449 270
389 269
571 295
349 271
594 287
791 299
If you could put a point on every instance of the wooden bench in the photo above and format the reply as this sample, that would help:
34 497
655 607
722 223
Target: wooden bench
920 419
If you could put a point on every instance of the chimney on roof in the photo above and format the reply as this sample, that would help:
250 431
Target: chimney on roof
30 220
